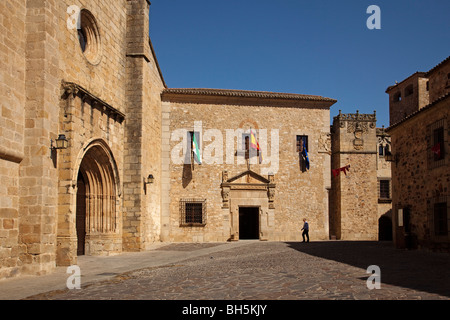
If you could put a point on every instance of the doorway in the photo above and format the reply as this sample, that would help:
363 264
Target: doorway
248 222
81 215
96 213
384 229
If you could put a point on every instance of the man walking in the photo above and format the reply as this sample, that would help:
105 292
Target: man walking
305 230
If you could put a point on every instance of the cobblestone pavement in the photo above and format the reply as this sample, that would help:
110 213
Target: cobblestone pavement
279 271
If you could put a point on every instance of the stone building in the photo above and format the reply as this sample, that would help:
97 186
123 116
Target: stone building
81 73
419 129
240 196
360 192
97 157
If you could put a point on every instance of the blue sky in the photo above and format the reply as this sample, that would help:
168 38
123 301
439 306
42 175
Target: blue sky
320 47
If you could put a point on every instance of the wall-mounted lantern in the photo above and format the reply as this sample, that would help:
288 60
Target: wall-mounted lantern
150 179
61 143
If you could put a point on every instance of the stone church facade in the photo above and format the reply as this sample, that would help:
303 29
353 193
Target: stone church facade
96 152
83 72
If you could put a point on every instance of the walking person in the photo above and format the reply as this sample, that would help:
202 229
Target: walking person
305 230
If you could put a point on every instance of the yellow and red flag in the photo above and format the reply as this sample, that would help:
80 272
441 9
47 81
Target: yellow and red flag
255 145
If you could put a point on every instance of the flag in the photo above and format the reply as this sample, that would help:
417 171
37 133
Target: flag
437 150
305 155
304 152
195 148
343 169
255 145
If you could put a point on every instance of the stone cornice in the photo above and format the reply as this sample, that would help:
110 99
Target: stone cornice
11 155
356 116
243 97
70 88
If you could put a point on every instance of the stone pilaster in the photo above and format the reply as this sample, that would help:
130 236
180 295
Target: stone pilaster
38 178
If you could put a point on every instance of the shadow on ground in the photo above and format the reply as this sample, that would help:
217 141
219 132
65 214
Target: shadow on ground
415 269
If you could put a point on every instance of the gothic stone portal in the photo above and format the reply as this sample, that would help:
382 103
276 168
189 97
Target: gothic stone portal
96 214
249 197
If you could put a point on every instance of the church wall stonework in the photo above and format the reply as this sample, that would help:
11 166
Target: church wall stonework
105 100
12 123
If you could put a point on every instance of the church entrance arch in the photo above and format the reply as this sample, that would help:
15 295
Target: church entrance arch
97 216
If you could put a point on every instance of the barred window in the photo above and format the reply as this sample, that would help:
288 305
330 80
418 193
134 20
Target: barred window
384 189
193 212
436 142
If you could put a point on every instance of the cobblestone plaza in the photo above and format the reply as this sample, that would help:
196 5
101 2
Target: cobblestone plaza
255 270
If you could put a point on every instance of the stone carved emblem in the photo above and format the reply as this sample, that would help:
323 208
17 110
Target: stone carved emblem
325 142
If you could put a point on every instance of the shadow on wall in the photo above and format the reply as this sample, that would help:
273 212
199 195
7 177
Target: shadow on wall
419 270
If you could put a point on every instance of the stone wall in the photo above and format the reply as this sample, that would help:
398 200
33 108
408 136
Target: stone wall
51 85
12 123
439 78
354 200
38 177
143 134
418 181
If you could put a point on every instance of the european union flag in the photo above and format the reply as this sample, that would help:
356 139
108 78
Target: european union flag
304 152
305 156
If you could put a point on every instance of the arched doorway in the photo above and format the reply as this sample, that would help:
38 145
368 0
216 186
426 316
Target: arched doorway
81 215
384 229
96 212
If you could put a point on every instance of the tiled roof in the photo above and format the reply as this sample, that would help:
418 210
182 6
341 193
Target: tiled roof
418 73
246 94
438 65
421 74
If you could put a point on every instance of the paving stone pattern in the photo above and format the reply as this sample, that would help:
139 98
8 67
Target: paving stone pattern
280 271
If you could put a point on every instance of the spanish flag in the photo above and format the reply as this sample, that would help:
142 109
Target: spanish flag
255 145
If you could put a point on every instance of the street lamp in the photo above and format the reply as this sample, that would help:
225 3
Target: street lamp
150 179
61 143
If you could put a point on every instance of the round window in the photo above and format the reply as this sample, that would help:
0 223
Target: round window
89 37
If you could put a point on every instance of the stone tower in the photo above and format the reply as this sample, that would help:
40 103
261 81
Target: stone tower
353 202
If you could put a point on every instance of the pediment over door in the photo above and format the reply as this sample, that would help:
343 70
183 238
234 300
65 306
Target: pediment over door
247 180
248 176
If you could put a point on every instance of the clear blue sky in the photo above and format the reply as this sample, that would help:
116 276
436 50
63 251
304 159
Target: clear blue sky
320 47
